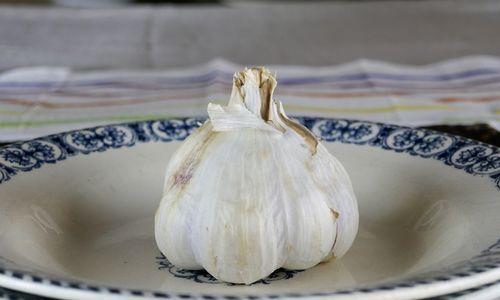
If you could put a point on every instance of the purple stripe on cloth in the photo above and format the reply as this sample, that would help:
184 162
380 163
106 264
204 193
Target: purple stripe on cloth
214 75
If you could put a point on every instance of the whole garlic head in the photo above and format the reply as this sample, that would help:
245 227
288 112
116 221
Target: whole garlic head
251 191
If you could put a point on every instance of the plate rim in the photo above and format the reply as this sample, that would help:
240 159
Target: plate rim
33 154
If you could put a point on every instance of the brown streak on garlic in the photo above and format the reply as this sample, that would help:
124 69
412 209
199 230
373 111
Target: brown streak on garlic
334 213
309 138
182 177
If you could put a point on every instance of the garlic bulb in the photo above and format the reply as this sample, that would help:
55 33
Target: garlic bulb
251 191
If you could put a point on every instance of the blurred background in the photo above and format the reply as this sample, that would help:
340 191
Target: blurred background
414 63
90 34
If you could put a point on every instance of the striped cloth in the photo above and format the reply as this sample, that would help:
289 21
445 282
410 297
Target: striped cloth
40 101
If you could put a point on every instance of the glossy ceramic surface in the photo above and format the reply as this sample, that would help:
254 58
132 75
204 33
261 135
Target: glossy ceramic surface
77 216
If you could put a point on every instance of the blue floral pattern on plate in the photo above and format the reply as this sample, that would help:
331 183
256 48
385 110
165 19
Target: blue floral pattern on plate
202 276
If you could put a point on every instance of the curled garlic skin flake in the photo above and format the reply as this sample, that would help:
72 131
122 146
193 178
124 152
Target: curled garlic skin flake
251 191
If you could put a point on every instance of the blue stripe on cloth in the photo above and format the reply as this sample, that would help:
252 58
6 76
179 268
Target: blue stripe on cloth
212 75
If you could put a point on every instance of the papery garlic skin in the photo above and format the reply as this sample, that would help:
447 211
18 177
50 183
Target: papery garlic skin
251 191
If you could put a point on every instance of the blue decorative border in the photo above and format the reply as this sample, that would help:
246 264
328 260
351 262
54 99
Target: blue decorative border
470 156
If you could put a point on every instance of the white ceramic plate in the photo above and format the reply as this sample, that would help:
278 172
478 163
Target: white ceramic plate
76 216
